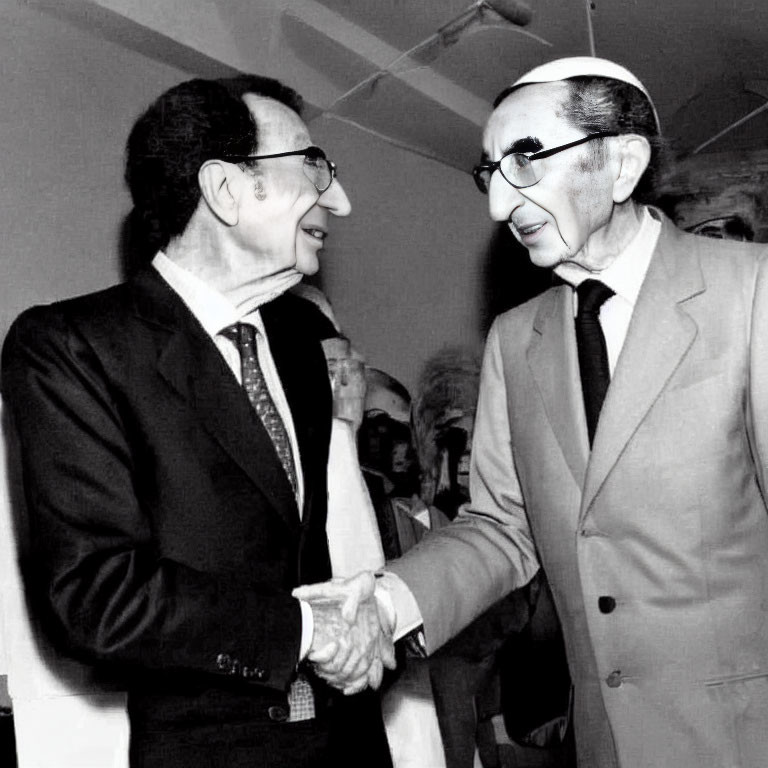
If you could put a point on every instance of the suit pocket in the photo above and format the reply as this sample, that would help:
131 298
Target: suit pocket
740 678
741 705
698 377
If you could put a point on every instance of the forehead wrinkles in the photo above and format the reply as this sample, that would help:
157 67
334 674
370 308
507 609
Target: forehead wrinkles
532 110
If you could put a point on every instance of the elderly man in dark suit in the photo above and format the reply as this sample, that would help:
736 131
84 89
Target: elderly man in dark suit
174 435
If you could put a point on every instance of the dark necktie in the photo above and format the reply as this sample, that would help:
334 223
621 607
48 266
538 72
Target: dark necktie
244 337
593 355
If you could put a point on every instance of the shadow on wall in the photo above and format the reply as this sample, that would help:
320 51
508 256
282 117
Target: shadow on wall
509 277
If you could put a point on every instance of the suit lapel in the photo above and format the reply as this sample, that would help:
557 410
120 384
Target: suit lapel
553 360
191 364
659 336
303 374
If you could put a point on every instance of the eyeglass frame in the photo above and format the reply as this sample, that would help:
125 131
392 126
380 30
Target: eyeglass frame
495 165
319 155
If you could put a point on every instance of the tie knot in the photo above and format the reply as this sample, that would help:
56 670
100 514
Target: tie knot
592 295
242 334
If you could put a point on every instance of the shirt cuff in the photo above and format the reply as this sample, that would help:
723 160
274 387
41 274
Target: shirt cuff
307 629
398 603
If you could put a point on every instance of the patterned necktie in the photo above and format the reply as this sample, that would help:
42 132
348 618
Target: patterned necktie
593 355
244 337
301 700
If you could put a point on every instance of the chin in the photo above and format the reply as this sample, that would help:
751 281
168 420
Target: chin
545 260
307 264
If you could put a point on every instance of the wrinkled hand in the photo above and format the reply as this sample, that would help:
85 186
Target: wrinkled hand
352 640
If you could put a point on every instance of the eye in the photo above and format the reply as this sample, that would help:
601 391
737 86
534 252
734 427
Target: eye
314 156
521 161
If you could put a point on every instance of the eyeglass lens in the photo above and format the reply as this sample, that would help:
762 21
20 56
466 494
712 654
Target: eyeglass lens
516 168
318 170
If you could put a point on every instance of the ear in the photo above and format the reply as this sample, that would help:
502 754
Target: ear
634 154
219 190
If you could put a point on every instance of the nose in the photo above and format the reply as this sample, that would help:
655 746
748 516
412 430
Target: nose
503 198
335 199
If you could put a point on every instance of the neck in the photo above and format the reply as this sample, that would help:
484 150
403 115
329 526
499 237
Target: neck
605 244
241 277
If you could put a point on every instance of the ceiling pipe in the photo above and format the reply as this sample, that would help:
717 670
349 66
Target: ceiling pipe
513 11
755 86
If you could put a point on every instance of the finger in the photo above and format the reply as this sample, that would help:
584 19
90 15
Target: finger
338 680
355 661
358 666
356 686
375 674
321 590
387 653
325 654
360 587
342 660
332 680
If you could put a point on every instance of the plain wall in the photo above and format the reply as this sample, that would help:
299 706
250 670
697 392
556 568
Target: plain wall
68 101
404 272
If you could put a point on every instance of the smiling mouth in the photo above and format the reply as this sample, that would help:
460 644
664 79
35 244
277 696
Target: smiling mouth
528 230
315 234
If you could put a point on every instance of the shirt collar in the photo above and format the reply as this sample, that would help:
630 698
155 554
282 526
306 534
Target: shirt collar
212 310
626 272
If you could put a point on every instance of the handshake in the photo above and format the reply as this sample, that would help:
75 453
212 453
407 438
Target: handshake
352 640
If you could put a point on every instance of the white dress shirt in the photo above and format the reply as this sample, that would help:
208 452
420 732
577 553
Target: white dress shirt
624 277
215 313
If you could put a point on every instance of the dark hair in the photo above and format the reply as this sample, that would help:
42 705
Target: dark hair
267 87
193 122
597 104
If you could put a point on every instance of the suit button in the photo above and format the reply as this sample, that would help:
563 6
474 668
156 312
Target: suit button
278 714
614 679
223 661
606 604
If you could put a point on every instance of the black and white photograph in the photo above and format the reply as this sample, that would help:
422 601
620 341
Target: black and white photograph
381 384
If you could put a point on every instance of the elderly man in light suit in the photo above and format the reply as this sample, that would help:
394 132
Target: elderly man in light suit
647 509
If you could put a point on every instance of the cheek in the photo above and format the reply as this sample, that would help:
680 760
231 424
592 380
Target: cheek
582 211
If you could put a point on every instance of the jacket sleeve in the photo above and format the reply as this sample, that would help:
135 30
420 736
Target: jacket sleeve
96 575
457 572
757 404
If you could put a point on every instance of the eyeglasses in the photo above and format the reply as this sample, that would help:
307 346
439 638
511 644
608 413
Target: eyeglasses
317 167
518 170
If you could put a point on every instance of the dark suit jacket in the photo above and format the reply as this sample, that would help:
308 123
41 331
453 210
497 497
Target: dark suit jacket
166 538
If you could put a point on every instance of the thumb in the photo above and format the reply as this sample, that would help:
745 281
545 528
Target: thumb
328 590
359 589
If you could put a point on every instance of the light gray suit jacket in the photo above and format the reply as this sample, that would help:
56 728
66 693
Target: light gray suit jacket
666 516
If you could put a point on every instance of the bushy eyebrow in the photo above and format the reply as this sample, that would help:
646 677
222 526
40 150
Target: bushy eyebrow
528 144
